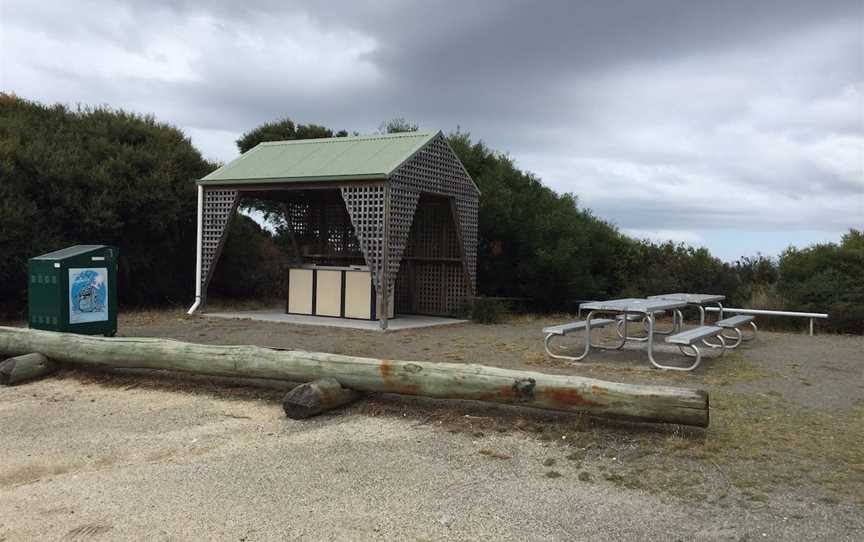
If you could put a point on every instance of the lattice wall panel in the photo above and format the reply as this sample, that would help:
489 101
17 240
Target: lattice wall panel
403 204
456 289
365 204
435 169
427 289
219 208
432 279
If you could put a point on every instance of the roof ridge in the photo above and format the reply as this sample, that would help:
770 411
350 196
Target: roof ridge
365 137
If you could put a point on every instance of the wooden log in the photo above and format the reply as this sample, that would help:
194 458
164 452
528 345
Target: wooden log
312 398
663 404
23 368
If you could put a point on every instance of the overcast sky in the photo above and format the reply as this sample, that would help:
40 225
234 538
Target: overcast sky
734 125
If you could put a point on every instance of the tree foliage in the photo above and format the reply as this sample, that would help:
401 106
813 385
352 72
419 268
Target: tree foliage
535 243
98 175
826 277
252 265
397 125
101 176
284 130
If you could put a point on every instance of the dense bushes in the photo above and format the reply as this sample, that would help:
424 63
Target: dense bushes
826 277
535 243
540 245
97 176
105 176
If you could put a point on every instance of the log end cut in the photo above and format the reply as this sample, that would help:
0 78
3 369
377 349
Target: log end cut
23 368
312 398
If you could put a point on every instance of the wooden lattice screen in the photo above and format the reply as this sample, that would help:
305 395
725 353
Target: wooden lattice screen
433 287
432 278
219 208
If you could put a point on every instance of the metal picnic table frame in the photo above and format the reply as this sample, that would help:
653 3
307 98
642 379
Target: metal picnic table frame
697 300
643 307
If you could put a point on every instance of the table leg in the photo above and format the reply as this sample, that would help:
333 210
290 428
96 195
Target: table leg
650 318
621 329
706 342
624 335
587 335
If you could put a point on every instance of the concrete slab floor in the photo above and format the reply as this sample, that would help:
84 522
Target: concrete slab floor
400 322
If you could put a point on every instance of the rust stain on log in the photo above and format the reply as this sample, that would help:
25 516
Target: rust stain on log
521 391
392 384
567 397
504 393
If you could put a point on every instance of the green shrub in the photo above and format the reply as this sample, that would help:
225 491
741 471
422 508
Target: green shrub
827 277
97 176
487 310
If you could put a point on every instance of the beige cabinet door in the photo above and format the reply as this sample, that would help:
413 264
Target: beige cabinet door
328 293
300 291
358 294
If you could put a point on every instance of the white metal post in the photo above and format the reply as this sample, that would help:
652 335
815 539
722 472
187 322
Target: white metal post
198 245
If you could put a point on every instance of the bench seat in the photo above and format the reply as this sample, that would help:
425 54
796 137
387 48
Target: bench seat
734 321
696 334
563 329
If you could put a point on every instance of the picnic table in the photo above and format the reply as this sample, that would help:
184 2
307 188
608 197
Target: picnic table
697 300
646 311
645 308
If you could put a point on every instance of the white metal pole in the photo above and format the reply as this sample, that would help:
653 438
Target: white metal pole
199 237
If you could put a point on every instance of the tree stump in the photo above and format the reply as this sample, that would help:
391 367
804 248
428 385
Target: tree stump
313 398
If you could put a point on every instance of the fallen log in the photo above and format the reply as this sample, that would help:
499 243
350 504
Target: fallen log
23 368
312 398
662 404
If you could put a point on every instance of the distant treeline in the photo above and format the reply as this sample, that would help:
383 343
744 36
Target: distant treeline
97 175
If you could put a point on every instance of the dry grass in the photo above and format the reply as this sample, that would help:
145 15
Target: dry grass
757 446
760 445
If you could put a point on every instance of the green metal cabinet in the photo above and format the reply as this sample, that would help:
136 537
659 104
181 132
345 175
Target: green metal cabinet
74 290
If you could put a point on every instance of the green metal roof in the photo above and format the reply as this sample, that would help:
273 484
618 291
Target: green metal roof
68 252
332 159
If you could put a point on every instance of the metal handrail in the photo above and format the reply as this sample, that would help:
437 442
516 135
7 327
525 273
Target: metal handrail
810 315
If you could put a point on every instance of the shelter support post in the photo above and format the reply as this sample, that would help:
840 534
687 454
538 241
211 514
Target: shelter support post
199 233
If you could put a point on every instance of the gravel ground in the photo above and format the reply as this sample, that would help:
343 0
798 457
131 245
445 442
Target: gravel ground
143 455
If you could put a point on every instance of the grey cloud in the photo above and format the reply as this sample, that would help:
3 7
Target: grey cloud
760 99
